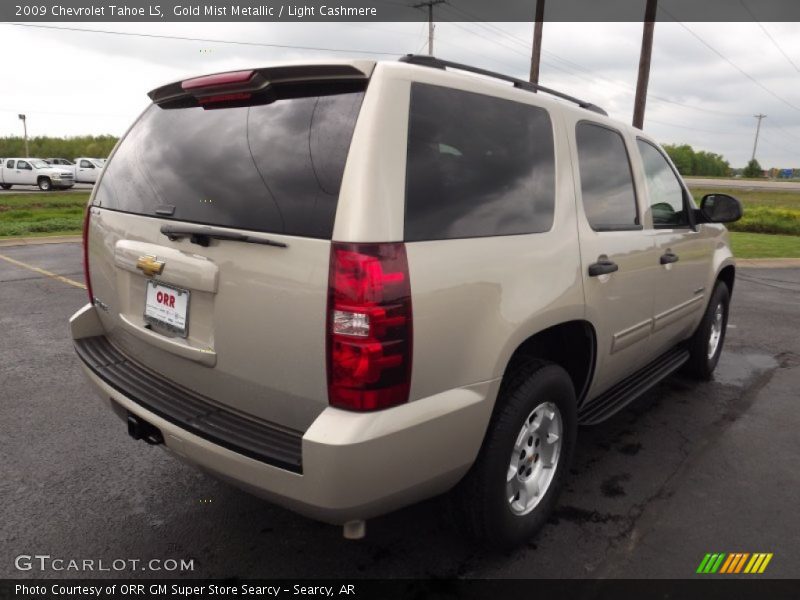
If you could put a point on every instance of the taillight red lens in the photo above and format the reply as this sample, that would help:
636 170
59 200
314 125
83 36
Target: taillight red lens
369 337
224 98
217 80
86 254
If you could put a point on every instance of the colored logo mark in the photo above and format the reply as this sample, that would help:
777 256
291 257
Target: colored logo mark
736 562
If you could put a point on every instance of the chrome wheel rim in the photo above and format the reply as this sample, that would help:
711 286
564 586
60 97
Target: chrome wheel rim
716 331
534 459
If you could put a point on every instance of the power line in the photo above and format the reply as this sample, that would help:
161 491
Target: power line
777 128
735 66
764 138
205 40
591 77
709 131
775 43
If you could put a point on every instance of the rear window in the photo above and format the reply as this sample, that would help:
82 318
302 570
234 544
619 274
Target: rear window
275 168
477 166
609 200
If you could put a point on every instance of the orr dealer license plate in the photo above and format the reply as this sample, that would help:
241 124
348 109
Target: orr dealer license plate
167 307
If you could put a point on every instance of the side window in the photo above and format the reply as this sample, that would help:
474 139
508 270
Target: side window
667 200
85 164
609 200
9 164
477 166
21 164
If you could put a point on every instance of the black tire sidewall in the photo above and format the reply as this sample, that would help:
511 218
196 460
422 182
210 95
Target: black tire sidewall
49 184
703 365
550 383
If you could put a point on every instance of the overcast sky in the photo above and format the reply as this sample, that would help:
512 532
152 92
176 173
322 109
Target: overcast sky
74 82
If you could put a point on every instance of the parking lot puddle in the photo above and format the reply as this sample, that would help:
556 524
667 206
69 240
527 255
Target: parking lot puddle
737 369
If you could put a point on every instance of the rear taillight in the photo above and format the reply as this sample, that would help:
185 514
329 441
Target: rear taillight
86 254
218 80
369 336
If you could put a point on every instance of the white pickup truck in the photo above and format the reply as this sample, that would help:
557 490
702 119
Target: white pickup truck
34 171
87 170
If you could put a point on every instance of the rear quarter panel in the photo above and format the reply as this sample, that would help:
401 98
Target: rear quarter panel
474 300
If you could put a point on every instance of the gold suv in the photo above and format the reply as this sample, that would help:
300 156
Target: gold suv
349 286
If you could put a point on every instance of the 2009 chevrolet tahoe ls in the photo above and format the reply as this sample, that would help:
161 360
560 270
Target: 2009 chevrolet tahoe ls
350 286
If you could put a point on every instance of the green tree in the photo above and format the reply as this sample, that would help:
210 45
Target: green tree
682 156
753 169
702 163
96 146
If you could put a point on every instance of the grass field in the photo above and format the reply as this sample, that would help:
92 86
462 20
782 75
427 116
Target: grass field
762 245
41 214
765 211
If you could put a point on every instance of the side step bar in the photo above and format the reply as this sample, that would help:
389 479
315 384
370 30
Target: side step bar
627 390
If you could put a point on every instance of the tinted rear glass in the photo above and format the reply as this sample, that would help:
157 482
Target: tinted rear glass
477 166
275 168
609 200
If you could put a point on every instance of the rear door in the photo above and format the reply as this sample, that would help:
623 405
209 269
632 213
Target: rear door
617 257
237 314
8 171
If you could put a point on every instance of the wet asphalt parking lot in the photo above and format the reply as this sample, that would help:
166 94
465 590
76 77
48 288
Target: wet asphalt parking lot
688 469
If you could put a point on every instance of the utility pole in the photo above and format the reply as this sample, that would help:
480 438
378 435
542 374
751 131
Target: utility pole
430 4
536 51
25 129
758 128
644 64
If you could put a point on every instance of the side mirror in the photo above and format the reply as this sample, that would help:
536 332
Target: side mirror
720 208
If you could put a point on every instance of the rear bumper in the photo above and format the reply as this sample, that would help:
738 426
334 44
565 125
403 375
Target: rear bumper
349 465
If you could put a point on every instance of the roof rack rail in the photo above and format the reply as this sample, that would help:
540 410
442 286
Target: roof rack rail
424 60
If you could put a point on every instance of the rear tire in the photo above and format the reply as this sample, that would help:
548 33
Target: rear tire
45 184
5 186
706 344
528 449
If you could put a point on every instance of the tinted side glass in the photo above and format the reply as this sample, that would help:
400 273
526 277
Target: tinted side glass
275 167
10 164
21 164
477 166
667 201
609 200
85 164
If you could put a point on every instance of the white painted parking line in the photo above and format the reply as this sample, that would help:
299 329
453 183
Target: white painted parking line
44 272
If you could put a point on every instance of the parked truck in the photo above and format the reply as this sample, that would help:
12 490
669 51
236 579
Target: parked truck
34 171
87 170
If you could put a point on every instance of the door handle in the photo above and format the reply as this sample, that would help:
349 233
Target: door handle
668 258
603 267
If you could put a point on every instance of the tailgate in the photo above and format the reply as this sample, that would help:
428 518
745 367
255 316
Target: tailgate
209 244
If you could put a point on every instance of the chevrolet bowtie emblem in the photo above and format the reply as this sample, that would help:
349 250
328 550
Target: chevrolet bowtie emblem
150 265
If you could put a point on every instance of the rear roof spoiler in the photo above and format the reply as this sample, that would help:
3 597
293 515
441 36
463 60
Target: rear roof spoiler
257 80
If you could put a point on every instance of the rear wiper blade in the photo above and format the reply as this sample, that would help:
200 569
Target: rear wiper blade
202 235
